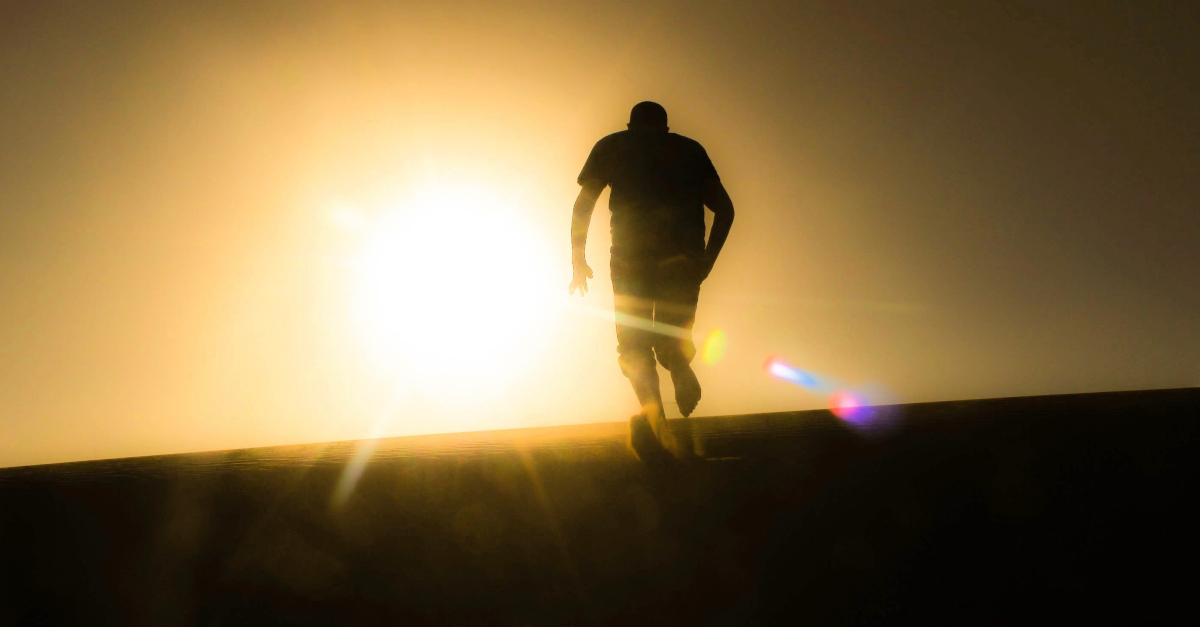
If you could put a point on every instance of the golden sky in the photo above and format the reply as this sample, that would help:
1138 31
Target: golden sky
201 208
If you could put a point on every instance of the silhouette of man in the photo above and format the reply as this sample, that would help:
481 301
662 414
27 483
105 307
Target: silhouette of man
661 183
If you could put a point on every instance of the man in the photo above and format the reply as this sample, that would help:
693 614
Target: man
661 183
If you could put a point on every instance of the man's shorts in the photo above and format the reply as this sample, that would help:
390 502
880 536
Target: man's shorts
655 302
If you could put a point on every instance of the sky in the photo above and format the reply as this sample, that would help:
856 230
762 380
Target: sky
238 224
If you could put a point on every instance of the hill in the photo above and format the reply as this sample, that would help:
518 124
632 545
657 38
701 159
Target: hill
1072 506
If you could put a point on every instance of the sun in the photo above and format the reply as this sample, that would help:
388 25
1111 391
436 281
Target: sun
451 288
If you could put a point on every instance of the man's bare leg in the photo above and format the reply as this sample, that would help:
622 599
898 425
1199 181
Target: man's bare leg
645 386
687 387
675 352
635 347
687 395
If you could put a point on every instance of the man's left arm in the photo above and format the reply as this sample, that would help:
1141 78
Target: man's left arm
718 201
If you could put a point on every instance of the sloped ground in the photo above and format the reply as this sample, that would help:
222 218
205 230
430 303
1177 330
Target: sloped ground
1072 507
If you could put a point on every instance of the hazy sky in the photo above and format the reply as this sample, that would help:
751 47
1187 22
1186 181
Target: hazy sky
935 201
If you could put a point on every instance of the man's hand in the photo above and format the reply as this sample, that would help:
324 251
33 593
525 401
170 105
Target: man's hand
579 276
707 261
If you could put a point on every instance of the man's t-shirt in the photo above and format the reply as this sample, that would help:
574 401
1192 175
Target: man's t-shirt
657 184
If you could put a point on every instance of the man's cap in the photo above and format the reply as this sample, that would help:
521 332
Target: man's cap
648 114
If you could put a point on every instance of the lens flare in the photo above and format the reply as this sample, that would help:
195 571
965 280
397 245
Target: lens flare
847 405
782 370
713 349
867 412
860 413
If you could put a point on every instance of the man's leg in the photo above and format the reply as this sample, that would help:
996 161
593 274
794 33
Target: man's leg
635 350
675 310
635 344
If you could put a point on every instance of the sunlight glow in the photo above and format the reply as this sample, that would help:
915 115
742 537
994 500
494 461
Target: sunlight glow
450 284
627 320
363 451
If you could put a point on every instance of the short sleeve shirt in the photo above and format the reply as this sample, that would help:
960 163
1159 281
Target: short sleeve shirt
657 184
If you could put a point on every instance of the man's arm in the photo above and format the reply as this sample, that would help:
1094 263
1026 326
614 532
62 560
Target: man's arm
718 201
581 219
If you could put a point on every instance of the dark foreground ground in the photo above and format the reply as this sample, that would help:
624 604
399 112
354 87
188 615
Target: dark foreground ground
1065 507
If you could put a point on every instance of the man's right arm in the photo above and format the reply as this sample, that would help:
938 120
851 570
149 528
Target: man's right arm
581 219
718 201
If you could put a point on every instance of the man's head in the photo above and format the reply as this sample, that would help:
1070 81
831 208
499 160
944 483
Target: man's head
648 116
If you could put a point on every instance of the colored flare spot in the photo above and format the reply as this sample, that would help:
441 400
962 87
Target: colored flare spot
846 405
858 409
713 348
782 370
